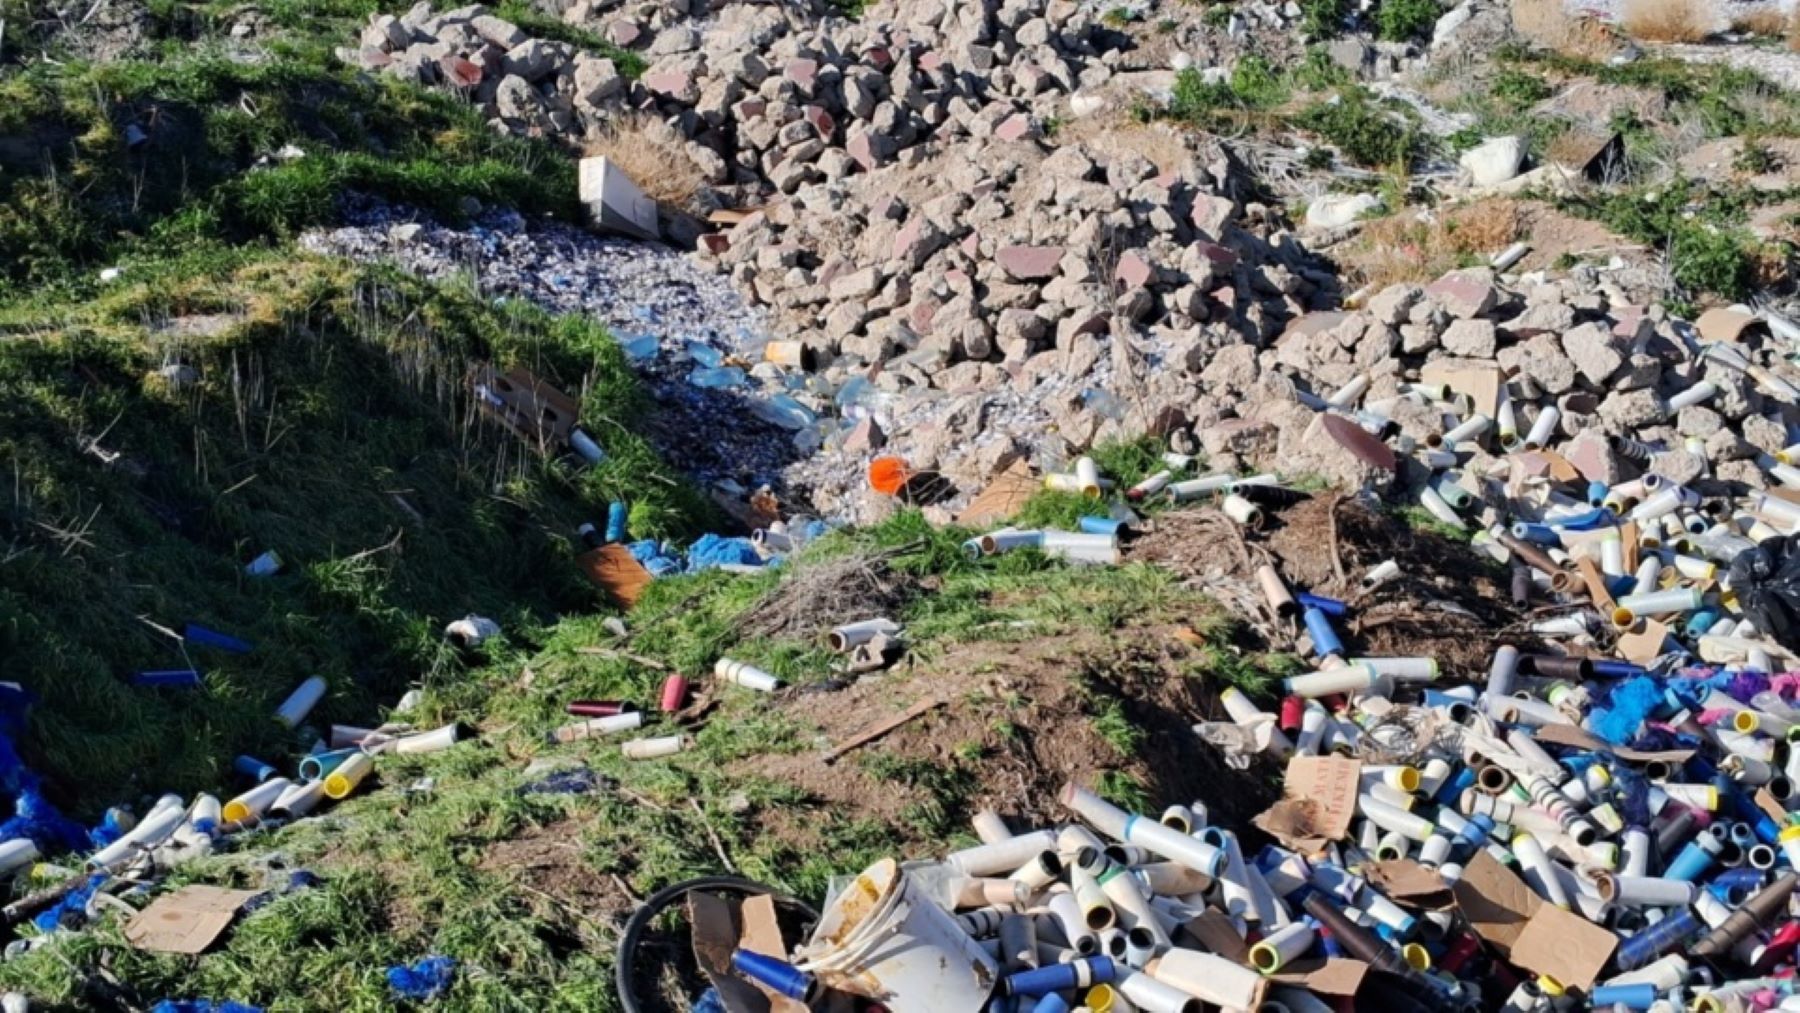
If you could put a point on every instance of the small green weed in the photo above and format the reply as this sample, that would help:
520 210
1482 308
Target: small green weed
1366 131
1405 20
1323 19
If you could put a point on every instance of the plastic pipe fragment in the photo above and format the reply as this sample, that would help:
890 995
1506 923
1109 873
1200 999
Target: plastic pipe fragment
1542 428
298 800
300 702
1282 947
256 801
1003 857
744 674
1242 511
1324 639
1152 996
434 741
1194 488
1134 829
340 783
1380 574
594 728
1275 592
779 975
1433 502
851 635
1150 486
1511 255
1402 669
1347 679
1075 547
1694 395
1087 477
653 748
1210 978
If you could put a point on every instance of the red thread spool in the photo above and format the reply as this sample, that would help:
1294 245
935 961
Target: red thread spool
1292 710
674 693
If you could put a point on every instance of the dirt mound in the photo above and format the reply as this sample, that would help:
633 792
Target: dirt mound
1448 603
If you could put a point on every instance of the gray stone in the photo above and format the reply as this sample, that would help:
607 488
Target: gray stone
1623 411
532 60
1541 358
1473 339
1391 305
1595 354
1464 294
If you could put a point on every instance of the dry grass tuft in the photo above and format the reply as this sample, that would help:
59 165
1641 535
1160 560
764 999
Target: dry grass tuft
1411 247
1666 20
1765 21
1793 30
648 151
1549 25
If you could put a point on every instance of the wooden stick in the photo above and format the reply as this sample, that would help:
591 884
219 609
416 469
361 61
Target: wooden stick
869 735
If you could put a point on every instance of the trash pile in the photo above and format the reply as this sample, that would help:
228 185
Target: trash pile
1608 818
126 852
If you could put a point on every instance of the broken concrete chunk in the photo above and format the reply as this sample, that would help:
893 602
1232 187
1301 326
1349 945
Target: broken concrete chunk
614 202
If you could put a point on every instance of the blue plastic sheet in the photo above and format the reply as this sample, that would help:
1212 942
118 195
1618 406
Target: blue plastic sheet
73 905
713 551
32 815
108 831
426 979
202 1006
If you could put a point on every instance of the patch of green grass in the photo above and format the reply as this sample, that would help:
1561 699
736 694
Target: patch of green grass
1726 100
1701 232
1517 89
1323 19
1424 520
1366 130
1319 72
316 430
1113 726
945 790
1405 20
1755 158
1257 84
205 174
1123 789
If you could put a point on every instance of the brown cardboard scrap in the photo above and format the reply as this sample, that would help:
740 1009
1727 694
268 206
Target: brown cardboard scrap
1570 735
1496 902
1596 586
1333 976
762 929
762 934
1331 781
1643 643
1480 380
1213 930
527 405
186 921
1004 495
1410 883
1564 946
613 569
714 922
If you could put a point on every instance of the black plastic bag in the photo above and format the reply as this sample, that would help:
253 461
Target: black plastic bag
1767 581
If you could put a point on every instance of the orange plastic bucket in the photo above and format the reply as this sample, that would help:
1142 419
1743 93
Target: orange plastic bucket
888 475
